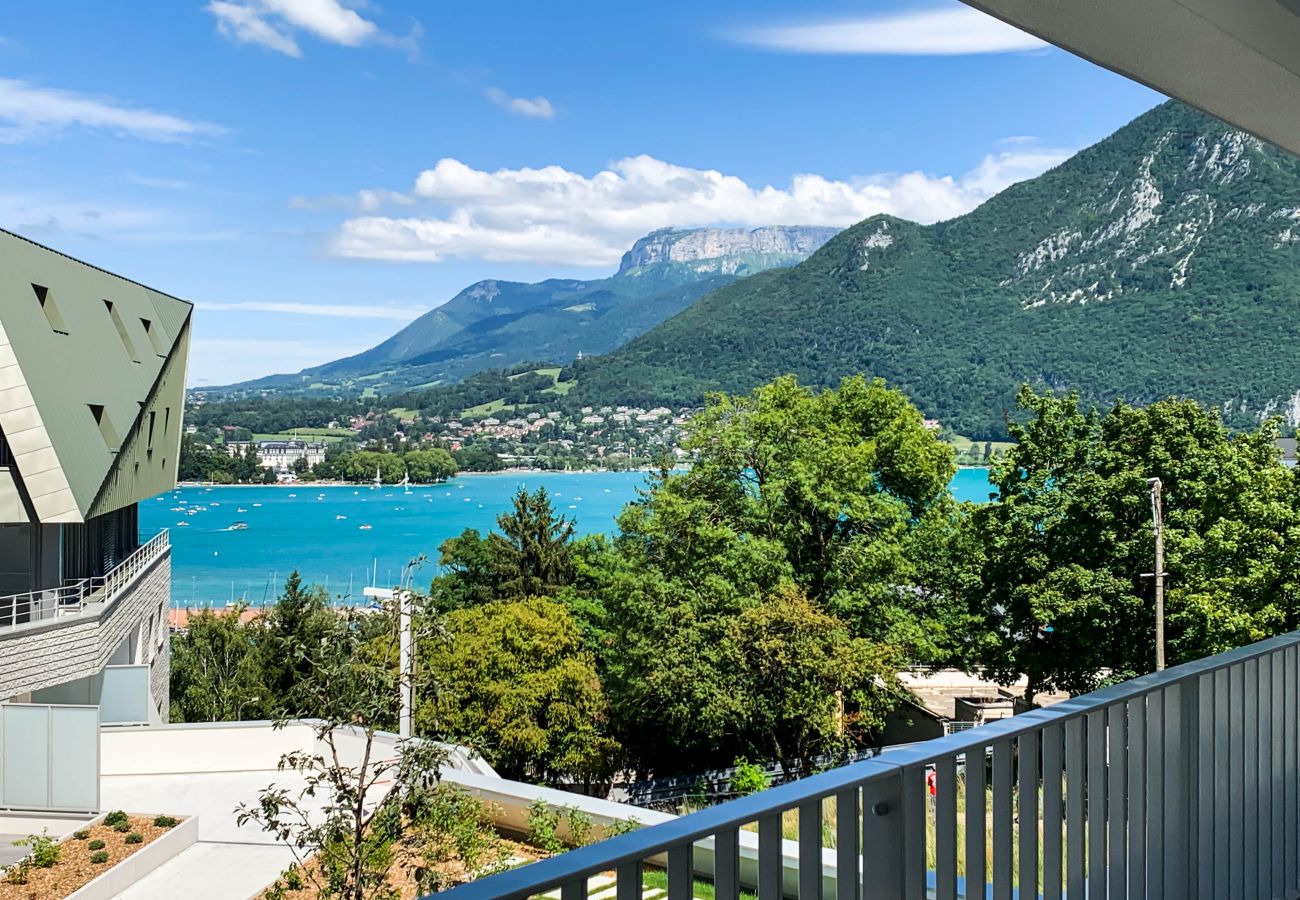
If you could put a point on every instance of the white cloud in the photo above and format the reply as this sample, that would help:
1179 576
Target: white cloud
536 108
556 216
277 24
933 32
329 310
29 111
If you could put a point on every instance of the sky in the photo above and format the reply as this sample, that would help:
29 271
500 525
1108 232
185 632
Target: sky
313 174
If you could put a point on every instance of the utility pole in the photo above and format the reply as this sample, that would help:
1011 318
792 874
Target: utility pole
1158 529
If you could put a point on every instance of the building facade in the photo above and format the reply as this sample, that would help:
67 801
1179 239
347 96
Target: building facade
92 372
280 455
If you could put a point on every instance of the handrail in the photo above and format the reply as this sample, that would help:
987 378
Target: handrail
74 596
1125 784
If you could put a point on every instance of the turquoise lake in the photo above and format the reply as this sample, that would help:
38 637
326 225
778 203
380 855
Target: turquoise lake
318 530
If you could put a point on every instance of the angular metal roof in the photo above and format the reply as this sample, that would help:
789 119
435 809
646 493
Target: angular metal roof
92 379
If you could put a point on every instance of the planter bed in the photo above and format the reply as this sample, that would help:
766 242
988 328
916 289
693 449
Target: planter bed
74 869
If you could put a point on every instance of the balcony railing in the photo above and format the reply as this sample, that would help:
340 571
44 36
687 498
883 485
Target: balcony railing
1177 784
76 596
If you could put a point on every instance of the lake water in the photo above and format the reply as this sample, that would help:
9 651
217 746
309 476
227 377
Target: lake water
322 531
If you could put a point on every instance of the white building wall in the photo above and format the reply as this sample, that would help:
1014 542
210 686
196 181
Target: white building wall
78 646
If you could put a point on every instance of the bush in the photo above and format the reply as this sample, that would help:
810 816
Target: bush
44 852
81 835
292 879
135 837
122 827
96 844
99 857
17 873
164 821
116 817
749 778
544 826
622 826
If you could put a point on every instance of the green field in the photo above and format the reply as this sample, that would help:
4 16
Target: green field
325 435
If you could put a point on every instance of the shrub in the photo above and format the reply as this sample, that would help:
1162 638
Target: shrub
96 844
116 817
749 778
135 837
164 821
292 879
99 857
17 873
122 827
544 826
81 835
44 850
622 826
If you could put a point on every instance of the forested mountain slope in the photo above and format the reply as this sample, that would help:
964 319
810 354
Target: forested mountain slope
1162 260
496 324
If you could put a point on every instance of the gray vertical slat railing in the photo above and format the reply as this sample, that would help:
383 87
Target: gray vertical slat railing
1206 771
1137 799
1250 779
726 865
1116 805
1052 813
810 850
1223 799
1096 804
945 829
1155 807
1027 813
1291 828
627 882
681 874
1075 792
1175 779
915 800
976 782
1236 793
771 869
1277 887
1003 788
1264 855
1177 784
847 858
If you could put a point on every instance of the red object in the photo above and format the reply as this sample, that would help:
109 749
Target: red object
932 782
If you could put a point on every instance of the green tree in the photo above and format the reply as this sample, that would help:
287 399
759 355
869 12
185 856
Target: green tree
429 466
295 630
515 682
216 669
1069 546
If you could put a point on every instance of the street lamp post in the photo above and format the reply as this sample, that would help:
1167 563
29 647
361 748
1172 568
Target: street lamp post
1158 529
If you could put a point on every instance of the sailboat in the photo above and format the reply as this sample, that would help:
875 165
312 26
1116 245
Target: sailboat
406 482
378 481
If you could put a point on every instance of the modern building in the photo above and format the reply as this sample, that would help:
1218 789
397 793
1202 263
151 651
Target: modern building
281 455
92 371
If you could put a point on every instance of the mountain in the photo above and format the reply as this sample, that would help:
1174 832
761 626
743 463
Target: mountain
1163 260
496 324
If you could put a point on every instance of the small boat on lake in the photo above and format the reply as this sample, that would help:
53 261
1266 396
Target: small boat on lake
238 526
364 527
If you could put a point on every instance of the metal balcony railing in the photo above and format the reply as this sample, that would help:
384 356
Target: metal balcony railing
1177 784
76 596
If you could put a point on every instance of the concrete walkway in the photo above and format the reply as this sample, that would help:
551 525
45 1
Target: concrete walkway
228 862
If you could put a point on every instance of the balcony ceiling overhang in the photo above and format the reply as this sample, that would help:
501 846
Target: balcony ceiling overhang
1238 60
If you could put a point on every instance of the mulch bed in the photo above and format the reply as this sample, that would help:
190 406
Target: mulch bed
74 868
399 878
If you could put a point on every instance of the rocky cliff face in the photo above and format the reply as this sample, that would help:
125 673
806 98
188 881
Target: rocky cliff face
725 251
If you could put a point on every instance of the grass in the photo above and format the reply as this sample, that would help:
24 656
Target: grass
657 880
553 373
302 434
402 412
486 409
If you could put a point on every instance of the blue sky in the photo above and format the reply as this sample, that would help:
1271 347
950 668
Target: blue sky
314 173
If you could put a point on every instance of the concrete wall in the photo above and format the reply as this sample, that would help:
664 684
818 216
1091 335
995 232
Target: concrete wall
48 653
200 747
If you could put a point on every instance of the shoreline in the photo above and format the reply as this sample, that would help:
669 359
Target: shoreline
356 484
